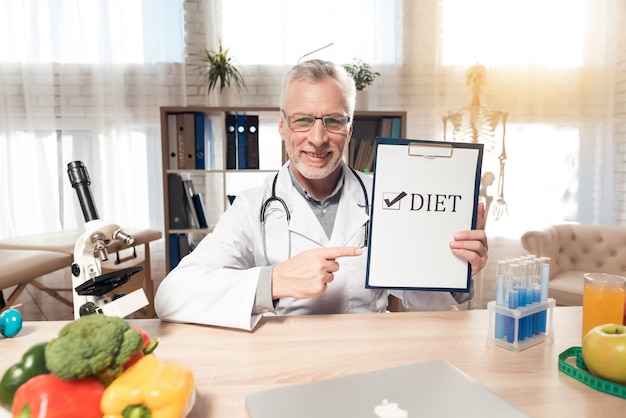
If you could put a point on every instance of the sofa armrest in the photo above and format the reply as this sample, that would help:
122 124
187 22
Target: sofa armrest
543 243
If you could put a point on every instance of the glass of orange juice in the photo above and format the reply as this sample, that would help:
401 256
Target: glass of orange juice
603 300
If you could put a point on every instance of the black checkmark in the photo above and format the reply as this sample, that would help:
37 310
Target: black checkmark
395 200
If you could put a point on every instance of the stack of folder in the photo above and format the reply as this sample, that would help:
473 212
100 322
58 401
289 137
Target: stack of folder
190 140
242 142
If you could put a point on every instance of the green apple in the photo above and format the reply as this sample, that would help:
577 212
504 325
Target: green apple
604 352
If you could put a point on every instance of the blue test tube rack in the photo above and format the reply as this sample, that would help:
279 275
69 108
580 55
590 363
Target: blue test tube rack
516 339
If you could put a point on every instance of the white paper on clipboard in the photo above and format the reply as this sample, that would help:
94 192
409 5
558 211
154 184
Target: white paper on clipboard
423 193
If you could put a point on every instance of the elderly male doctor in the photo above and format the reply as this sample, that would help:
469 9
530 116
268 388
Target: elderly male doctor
294 245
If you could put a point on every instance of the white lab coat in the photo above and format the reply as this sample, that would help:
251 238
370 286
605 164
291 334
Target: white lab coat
216 283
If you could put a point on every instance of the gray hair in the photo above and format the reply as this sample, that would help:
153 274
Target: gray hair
317 70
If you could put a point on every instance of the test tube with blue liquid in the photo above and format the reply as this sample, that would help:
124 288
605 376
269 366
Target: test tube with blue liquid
521 292
536 277
545 278
500 298
512 271
530 321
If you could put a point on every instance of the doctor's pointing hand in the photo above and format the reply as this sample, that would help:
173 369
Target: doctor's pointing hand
297 244
307 274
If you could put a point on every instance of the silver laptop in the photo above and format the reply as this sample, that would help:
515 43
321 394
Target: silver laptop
428 389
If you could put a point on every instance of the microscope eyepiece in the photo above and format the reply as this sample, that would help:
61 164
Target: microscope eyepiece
79 178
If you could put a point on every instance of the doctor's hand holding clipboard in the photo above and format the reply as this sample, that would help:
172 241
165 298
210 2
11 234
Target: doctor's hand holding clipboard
471 244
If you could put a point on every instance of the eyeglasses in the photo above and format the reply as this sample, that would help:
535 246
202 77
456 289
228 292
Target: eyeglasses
304 123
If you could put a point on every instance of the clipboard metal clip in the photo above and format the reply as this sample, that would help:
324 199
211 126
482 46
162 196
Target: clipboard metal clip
430 150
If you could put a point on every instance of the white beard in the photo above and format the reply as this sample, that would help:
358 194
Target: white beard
313 173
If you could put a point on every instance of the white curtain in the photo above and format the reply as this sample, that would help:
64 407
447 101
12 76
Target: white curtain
84 81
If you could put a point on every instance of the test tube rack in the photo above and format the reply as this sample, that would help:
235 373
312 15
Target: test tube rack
522 327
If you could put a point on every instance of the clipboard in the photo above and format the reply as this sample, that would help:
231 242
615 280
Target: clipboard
423 193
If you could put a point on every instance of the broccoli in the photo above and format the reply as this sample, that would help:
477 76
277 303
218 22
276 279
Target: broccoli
93 345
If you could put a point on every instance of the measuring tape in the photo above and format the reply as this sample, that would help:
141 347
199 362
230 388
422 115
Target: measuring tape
582 375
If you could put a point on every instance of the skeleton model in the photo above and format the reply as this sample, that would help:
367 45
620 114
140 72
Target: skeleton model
477 123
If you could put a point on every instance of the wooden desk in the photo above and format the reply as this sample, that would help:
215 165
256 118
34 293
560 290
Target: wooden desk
228 364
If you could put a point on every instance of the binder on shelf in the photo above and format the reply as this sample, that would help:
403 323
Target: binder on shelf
199 139
183 246
189 191
396 127
198 205
242 154
384 128
179 248
231 141
186 141
208 143
252 141
174 257
176 198
172 141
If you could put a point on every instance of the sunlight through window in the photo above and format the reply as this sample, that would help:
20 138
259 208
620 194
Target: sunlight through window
285 30
496 32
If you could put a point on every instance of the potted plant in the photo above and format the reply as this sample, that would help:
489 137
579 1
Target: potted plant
219 69
362 73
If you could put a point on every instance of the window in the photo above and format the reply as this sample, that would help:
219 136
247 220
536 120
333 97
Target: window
543 56
286 30
495 32
91 32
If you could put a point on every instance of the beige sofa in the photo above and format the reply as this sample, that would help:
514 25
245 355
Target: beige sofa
576 249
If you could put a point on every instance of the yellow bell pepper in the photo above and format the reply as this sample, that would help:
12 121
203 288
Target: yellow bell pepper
150 388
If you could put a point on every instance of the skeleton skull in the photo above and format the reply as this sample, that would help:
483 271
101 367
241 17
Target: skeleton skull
476 79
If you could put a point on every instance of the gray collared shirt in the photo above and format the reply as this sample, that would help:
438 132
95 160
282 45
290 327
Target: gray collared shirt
326 210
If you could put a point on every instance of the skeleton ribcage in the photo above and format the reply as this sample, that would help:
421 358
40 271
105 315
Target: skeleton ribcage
476 125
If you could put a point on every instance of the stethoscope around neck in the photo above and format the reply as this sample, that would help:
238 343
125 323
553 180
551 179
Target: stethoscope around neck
275 198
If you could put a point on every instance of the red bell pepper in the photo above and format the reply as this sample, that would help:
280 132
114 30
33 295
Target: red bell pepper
48 396
148 347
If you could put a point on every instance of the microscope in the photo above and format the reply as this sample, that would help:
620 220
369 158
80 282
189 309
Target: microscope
90 286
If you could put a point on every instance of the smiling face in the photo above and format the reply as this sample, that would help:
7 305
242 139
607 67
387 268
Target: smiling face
316 154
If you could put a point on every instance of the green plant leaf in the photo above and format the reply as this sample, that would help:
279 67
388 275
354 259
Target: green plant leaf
362 73
219 69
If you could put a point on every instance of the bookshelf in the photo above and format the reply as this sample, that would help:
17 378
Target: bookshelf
213 177
367 126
